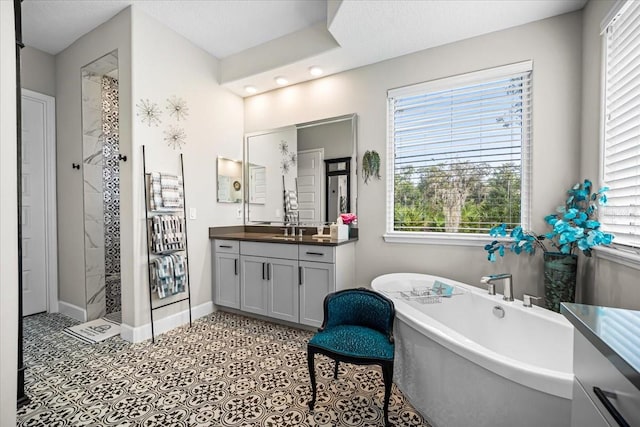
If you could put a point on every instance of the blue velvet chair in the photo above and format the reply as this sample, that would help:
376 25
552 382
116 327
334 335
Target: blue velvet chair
357 328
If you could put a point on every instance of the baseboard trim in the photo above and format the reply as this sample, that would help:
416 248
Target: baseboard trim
140 333
73 311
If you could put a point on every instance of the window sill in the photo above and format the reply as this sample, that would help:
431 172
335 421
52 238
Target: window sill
450 239
628 258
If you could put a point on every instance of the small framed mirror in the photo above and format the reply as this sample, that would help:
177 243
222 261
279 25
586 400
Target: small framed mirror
229 182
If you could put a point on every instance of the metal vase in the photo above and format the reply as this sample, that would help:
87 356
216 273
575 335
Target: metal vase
559 279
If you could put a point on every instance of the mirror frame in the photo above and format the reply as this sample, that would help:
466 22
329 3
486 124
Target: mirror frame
352 188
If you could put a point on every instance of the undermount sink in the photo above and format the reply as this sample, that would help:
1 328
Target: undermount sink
283 237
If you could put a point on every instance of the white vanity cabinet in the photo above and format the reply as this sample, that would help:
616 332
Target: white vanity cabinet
281 280
283 293
269 280
323 269
317 279
598 384
606 388
254 285
226 261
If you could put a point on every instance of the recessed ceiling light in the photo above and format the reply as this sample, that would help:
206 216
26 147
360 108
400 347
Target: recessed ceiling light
250 89
315 71
281 80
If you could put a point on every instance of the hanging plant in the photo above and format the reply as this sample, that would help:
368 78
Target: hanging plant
370 165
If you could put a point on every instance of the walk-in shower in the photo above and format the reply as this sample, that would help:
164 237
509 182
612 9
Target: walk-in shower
101 175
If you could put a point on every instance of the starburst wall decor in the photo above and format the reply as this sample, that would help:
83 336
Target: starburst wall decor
177 108
149 112
285 167
175 137
284 147
289 158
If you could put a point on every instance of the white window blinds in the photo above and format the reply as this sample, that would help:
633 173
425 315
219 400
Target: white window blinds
460 148
621 151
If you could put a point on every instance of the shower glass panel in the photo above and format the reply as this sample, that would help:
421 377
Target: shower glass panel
101 175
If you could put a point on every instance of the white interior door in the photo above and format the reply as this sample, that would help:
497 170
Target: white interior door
35 267
310 173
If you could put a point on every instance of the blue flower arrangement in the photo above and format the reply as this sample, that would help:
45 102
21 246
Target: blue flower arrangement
573 226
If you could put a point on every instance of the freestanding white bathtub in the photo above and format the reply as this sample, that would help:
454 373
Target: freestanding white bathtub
461 365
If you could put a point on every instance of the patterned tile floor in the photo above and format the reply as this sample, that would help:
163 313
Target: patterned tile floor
226 370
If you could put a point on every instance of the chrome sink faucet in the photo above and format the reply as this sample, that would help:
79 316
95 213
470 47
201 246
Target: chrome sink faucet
508 284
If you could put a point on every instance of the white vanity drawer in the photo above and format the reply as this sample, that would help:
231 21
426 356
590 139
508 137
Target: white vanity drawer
269 250
226 246
584 412
595 371
316 253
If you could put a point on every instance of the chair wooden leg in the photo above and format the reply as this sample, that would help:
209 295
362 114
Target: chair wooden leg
335 370
387 375
312 376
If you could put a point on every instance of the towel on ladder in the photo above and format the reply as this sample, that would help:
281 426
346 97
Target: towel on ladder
291 200
171 190
167 233
291 206
162 276
169 275
179 272
165 192
155 193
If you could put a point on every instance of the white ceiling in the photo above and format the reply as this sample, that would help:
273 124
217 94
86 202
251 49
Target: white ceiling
221 27
258 40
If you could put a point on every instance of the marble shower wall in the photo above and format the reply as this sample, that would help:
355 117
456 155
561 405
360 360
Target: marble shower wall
92 167
101 175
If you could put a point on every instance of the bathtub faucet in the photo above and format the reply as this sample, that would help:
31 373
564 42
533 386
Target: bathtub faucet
508 284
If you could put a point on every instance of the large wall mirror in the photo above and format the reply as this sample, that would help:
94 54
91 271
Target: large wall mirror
289 172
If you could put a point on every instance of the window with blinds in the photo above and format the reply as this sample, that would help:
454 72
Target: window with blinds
460 148
621 140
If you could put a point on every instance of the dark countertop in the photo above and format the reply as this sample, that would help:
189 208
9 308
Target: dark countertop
615 332
271 235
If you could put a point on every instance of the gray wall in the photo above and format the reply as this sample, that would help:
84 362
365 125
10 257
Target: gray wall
213 128
38 72
603 282
8 220
554 45
336 138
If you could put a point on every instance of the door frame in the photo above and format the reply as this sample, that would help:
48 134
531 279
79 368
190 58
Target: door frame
50 202
346 171
323 184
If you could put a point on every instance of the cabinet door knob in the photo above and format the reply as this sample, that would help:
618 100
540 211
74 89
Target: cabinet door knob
235 266
300 275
